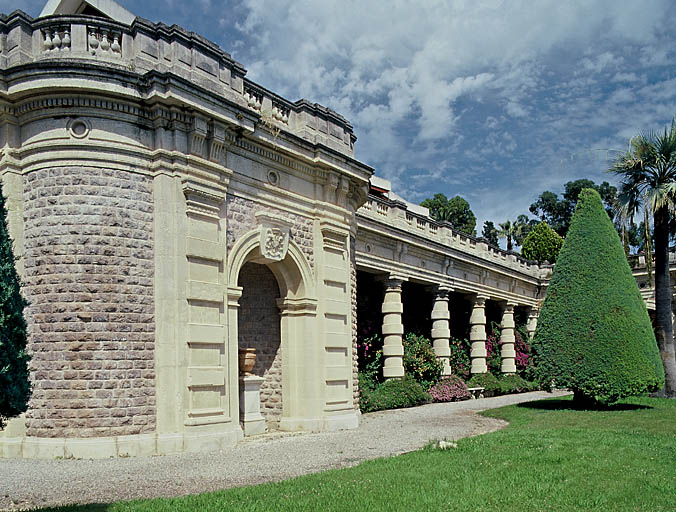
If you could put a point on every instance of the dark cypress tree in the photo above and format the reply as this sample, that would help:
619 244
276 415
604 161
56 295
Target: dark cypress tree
14 384
594 335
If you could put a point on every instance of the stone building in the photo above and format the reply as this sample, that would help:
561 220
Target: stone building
166 212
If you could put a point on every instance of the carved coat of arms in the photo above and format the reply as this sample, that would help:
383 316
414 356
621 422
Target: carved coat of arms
274 243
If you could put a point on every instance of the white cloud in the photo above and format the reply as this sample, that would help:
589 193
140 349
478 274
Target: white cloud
493 100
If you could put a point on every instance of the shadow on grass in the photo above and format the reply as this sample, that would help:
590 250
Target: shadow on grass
560 404
91 507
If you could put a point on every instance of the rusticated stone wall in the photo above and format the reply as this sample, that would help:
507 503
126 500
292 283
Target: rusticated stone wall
89 281
353 298
241 219
259 327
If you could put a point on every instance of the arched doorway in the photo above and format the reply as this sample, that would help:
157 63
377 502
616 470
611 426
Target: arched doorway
259 328
293 291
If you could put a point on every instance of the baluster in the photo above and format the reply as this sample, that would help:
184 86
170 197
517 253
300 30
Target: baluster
56 40
115 47
66 39
93 42
105 44
48 40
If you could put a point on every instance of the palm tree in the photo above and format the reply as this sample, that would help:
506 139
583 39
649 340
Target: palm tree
515 231
648 180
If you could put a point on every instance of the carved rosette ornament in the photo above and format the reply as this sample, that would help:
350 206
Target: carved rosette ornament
274 242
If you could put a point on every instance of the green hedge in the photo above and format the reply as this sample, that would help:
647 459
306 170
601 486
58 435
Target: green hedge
488 381
392 394
594 335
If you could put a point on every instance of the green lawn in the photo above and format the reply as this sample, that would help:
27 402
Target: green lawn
551 457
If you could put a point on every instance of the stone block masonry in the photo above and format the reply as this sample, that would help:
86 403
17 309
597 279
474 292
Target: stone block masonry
89 281
241 218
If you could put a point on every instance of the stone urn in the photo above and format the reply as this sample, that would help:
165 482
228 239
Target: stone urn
247 360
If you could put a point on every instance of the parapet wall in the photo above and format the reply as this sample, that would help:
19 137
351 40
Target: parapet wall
146 47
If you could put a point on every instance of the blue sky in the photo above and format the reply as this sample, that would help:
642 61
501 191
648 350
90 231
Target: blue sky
494 101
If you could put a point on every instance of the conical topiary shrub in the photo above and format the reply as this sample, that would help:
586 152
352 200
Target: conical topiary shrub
14 384
594 335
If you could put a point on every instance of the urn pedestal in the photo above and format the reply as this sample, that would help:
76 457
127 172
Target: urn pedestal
251 418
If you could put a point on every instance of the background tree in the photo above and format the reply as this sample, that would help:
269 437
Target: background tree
490 233
542 244
648 174
455 211
515 231
14 384
594 335
558 212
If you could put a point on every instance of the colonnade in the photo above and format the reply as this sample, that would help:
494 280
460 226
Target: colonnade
393 329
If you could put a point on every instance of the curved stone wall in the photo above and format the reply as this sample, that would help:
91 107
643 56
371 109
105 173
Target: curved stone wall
89 280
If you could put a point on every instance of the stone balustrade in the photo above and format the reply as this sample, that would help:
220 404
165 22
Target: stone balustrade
397 214
145 47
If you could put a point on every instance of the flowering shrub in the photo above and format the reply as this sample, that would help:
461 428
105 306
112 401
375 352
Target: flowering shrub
450 389
524 361
370 358
493 359
459 360
420 361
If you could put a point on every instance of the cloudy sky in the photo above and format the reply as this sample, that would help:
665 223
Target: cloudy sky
495 101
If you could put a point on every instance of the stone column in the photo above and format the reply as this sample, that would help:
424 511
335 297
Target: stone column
477 335
393 329
508 354
440 329
532 323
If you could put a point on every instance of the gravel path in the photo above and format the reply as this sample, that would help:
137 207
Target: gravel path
38 483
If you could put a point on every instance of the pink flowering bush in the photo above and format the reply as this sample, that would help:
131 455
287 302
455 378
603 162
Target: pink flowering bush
450 389
523 357
493 359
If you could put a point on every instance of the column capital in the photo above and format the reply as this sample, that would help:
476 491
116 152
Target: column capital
533 311
480 299
440 290
392 280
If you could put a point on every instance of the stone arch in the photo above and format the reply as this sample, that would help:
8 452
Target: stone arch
297 303
293 272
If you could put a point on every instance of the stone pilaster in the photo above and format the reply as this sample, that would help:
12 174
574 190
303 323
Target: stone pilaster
477 335
393 329
508 354
440 328
532 323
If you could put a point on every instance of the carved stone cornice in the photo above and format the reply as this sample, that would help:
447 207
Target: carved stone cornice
203 199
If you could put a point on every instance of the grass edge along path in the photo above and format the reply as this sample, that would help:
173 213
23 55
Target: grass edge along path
551 457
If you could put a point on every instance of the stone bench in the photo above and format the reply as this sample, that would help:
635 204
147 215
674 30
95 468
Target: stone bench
476 392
